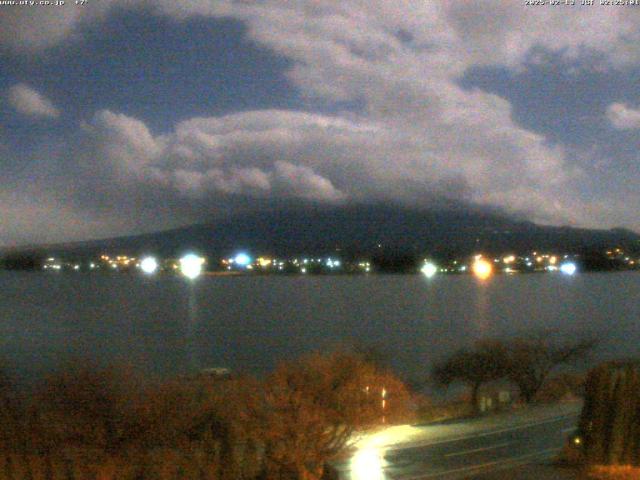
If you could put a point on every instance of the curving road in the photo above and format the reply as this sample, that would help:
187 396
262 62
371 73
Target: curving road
464 449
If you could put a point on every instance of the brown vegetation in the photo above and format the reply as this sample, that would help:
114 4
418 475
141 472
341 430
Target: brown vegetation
313 407
614 473
104 424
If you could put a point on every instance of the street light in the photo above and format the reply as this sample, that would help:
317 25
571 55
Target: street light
568 268
429 269
242 259
191 266
482 269
149 265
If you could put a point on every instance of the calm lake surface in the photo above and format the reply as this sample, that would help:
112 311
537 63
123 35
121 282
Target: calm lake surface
168 325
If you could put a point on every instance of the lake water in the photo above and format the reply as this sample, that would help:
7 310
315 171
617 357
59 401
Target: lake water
167 325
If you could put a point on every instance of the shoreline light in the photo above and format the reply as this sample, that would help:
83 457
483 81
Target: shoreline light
242 259
149 265
429 269
568 268
482 269
191 266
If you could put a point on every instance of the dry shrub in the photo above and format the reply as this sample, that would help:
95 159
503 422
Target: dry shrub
92 423
614 473
313 406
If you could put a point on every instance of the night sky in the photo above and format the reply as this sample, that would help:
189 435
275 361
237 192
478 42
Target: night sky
127 116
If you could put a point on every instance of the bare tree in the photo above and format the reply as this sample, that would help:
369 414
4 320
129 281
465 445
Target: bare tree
475 366
529 361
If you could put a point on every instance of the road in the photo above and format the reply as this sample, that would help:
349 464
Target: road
464 449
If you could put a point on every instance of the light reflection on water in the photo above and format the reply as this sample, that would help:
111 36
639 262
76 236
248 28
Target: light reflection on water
192 328
166 326
483 320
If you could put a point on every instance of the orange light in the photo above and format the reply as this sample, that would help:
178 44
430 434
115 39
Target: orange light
482 269
264 262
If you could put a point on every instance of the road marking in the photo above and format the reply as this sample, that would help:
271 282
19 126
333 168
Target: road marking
475 450
419 444
567 430
509 462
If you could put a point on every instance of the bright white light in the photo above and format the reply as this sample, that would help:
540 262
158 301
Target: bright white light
191 265
366 464
568 268
149 265
242 259
429 269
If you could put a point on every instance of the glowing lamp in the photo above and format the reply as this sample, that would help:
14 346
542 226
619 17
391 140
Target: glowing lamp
242 259
264 262
149 265
429 269
568 268
482 269
191 266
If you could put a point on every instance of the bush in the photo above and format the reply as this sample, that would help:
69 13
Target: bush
92 423
614 473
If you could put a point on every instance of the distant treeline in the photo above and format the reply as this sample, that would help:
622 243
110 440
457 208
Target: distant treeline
402 262
22 261
382 262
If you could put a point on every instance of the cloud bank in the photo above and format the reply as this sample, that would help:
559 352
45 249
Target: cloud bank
417 136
